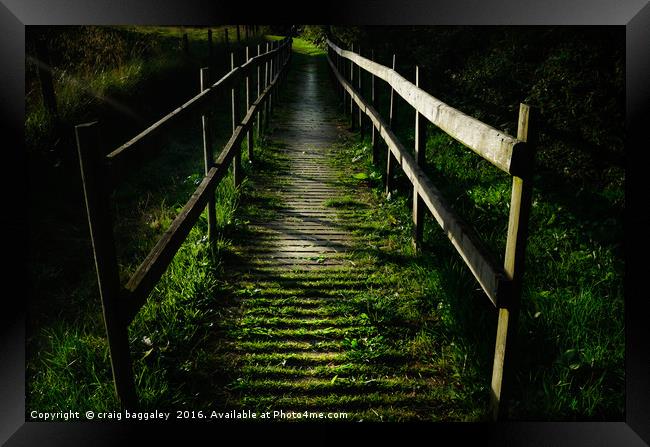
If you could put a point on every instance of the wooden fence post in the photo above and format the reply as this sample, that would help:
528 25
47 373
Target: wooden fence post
249 135
341 71
259 113
276 88
266 84
238 35
236 165
246 30
389 156
95 186
373 99
360 113
208 159
352 117
420 159
271 75
520 203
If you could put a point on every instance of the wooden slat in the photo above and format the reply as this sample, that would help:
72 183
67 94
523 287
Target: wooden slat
490 276
502 150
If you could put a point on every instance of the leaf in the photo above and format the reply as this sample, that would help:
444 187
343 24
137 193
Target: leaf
360 176
146 354
334 378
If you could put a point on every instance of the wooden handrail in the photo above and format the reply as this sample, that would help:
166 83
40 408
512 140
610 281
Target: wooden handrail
118 158
489 274
502 150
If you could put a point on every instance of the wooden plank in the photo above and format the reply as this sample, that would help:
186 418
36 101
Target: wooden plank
259 85
490 276
390 165
266 83
373 102
236 165
96 197
520 204
502 150
351 79
359 87
249 135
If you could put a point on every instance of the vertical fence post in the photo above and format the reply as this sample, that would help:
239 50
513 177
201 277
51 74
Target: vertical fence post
249 135
520 203
266 84
277 72
95 186
238 35
361 93
246 30
271 74
236 165
341 71
389 156
259 112
373 99
420 151
208 160
352 117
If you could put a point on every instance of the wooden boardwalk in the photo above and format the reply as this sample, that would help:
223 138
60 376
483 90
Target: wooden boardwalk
288 335
305 232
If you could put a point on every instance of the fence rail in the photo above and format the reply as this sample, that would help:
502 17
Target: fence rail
512 155
120 304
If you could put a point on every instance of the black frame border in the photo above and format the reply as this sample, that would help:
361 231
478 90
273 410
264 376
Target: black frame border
633 14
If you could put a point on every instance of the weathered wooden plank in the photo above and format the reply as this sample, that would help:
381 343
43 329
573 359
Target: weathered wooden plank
491 277
502 150
249 135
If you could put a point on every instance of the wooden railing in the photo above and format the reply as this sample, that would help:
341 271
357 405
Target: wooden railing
120 304
512 155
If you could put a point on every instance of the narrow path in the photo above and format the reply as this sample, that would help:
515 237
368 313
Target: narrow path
295 336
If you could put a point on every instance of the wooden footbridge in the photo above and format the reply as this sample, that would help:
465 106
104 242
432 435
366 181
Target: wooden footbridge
295 263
